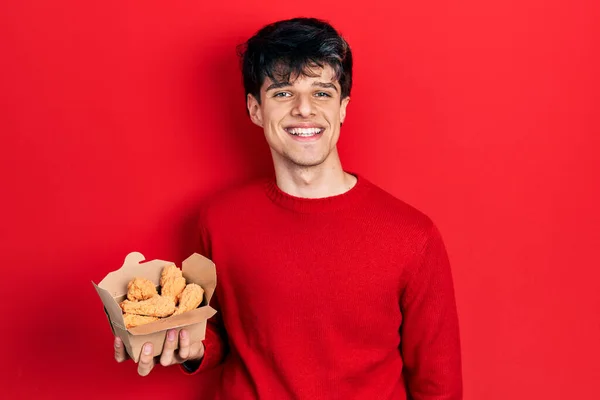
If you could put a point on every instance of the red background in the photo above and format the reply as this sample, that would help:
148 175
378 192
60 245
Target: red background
118 117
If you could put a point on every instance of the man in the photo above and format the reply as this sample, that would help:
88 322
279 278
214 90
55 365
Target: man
329 287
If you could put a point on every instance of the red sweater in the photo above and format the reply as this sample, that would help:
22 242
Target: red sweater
346 297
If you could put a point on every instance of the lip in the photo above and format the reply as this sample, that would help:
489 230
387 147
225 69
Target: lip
304 126
299 138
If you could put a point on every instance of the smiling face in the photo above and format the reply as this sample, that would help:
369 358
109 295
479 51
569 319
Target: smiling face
301 118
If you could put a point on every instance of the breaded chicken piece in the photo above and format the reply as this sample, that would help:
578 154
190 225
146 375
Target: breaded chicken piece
132 320
190 298
172 282
157 306
140 289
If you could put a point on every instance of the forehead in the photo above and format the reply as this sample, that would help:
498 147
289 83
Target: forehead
308 77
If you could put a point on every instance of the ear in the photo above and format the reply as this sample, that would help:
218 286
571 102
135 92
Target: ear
254 110
343 106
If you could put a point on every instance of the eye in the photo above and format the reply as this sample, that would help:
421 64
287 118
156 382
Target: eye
282 94
322 94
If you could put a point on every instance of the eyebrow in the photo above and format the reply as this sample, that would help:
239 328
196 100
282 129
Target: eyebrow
279 85
326 85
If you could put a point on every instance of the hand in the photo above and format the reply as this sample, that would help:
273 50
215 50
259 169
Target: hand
169 356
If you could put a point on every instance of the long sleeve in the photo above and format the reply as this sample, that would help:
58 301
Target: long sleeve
215 341
341 297
430 333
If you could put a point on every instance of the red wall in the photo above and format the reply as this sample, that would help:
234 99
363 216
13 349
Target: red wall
118 117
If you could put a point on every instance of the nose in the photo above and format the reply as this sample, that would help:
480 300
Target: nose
303 106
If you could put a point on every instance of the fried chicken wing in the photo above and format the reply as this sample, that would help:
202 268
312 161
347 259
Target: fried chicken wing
132 320
172 282
140 289
191 297
157 306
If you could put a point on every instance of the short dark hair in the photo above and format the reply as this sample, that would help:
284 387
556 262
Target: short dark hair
292 48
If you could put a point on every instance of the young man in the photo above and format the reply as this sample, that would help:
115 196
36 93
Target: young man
329 287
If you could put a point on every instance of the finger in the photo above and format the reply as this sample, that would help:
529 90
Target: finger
184 344
146 362
120 353
167 356
196 350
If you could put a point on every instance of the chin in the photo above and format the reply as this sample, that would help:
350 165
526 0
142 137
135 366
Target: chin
307 163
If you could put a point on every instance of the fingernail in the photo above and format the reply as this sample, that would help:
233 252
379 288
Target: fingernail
183 334
171 335
148 349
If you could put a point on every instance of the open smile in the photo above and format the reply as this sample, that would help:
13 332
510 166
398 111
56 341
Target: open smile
304 132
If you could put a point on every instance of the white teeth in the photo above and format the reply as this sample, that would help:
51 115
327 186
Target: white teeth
304 131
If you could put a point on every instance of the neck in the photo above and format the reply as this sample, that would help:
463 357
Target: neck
324 180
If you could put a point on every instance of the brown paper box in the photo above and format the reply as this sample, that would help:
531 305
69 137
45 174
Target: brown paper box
113 289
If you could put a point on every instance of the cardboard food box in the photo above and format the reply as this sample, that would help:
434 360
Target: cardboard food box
113 289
